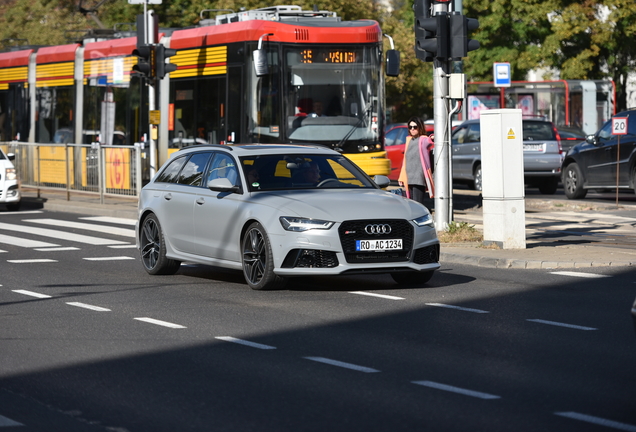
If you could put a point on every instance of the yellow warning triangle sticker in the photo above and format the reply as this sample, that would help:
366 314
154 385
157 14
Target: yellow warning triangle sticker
511 134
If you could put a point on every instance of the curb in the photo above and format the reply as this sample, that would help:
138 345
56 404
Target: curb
501 263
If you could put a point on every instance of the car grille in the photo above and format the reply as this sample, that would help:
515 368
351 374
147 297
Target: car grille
310 258
350 231
426 255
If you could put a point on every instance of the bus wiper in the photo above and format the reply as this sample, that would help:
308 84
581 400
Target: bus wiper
367 110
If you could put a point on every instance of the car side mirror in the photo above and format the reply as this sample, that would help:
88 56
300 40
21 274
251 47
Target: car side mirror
222 185
382 181
11 156
591 139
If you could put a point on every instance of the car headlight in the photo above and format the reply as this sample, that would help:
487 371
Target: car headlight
10 174
299 224
424 220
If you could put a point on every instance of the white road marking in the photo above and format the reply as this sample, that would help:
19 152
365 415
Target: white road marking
579 274
21 212
244 342
454 389
558 324
388 297
22 242
124 232
161 323
117 258
128 246
457 307
31 293
7 422
44 232
598 421
31 261
342 364
108 219
56 249
87 306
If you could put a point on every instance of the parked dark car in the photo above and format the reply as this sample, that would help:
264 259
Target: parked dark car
542 154
570 136
596 162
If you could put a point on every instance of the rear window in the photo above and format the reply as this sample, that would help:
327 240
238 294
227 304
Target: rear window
538 131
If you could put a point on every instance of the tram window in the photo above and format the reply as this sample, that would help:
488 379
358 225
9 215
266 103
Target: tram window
55 107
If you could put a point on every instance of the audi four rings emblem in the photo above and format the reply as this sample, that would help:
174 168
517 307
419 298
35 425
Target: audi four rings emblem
378 229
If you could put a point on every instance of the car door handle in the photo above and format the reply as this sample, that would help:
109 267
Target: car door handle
167 196
200 201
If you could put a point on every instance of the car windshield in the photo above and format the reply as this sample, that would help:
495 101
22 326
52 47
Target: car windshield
533 131
302 171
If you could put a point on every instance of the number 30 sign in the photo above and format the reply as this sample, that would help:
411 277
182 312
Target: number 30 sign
619 126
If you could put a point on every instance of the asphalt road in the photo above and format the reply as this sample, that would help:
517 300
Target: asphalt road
90 342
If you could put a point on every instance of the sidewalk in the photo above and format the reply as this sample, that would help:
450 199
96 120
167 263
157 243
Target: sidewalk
559 233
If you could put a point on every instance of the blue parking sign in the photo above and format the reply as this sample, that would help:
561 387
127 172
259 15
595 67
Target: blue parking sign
501 74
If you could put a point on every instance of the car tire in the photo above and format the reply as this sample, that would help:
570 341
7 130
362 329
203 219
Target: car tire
477 182
14 206
549 186
258 262
153 248
573 182
412 278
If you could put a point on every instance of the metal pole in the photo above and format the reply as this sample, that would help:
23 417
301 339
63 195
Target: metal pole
150 35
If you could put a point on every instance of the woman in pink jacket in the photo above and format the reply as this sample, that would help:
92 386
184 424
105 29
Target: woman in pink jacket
416 175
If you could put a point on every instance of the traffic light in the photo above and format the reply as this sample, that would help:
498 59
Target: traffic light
434 43
459 42
422 11
163 68
146 60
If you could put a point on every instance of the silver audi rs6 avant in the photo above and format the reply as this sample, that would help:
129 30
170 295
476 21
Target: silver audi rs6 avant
279 211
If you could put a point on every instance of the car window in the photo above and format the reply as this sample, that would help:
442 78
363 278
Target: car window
473 134
459 136
390 137
605 133
535 131
171 171
223 166
192 172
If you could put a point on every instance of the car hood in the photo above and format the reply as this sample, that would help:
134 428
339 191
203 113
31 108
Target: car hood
337 205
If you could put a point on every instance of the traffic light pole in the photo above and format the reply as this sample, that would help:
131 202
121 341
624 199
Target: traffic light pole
150 40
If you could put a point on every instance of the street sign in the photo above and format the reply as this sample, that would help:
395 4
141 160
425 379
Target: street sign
501 74
155 117
619 126
144 1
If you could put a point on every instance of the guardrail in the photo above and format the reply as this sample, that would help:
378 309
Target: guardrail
104 170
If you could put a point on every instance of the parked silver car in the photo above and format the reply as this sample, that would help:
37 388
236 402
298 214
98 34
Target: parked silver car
278 211
542 154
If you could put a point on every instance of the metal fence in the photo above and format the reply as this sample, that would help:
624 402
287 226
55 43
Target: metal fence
115 171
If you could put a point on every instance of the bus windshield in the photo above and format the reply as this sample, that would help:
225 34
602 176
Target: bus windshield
332 94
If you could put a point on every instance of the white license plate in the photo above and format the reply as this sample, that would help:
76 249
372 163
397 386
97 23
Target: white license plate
533 147
378 245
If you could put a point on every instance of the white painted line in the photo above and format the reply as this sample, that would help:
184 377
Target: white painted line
454 389
31 261
31 293
87 306
108 219
117 258
598 421
56 249
342 364
161 323
3 251
388 297
21 212
457 307
124 232
128 246
7 422
67 236
558 324
579 274
244 342
17 241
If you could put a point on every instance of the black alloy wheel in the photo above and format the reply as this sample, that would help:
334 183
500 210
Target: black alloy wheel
258 263
153 249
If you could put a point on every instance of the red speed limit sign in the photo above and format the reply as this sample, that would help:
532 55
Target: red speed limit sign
619 126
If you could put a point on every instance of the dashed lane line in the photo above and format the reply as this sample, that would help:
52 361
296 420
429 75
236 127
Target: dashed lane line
88 306
31 261
32 294
579 274
161 323
244 342
457 307
559 324
115 258
598 421
342 364
384 296
453 389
